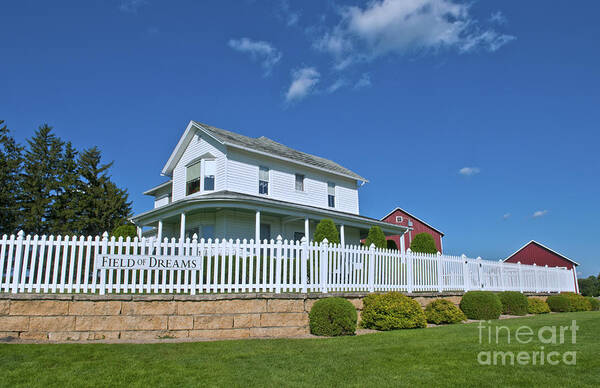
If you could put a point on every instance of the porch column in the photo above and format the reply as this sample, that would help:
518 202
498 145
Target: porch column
160 228
139 231
402 250
342 237
182 226
257 228
307 229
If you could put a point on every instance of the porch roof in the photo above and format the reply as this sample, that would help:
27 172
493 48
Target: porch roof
228 199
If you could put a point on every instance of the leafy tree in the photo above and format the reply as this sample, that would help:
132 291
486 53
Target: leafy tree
326 229
11 159
127 230
102 205
39 181
65 210
376 237
423 243
589 286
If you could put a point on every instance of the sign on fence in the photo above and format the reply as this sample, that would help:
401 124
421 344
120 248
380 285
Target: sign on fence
149 262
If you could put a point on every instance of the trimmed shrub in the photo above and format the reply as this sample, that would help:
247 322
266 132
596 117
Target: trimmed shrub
423 243
332 317
391 311
127 230
481 305
326 230
513 303
578 302
537 306
559 303
594 302
443 311
376 237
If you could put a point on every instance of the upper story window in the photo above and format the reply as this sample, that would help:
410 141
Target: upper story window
331 194
263 180
210 170
399 219
193 173
299 182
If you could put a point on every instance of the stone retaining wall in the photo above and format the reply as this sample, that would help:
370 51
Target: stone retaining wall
79 317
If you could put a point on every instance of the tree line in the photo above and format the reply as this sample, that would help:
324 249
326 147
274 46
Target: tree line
49 187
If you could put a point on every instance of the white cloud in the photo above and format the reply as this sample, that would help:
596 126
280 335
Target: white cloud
290 17
363 82
336 85
469 171
506 216
540 213
262 51
131 6
303 83
406 26
498 17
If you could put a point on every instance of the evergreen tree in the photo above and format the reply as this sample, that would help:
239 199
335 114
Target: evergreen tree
39 181
423 243
65 208
326 229
11 159
102 205
376 237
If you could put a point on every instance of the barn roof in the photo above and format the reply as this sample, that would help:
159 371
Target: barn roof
542 246
416 218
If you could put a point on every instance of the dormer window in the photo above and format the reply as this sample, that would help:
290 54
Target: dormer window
210 170
299 182
263 180
193 173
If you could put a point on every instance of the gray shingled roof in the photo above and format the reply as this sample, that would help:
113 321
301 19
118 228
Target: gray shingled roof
266 145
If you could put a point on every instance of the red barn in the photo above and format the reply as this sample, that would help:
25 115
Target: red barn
535 253
415 226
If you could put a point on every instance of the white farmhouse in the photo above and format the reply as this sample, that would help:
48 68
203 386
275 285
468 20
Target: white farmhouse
226 185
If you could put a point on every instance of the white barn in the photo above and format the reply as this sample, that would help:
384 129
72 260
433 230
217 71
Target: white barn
226 185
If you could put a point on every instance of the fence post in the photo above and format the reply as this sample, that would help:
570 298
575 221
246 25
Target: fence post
409 271
439 271
480 272
501 276
535 278
372 268
17 266
278 262
466 274
194 253
103 271
547 279
520 277
324 261
304 263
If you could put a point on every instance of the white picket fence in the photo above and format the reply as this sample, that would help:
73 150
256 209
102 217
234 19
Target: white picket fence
70 264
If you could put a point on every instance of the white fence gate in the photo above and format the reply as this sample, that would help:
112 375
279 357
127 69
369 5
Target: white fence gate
79 264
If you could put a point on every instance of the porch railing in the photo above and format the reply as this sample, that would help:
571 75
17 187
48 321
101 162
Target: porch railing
50 264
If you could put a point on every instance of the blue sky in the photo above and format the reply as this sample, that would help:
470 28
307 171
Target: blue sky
479 117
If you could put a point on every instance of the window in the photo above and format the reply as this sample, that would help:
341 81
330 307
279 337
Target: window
193 178
299 182
210 170
208 231
399 219
331 194
263 180
298 236
265 232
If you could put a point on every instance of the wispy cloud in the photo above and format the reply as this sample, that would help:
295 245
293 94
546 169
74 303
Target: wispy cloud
258 50
363 82
131 6
539 213
402 27
506 216
337 85
286 13
303 82
468 171
498 17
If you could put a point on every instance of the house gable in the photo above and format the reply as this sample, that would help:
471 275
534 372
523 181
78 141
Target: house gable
536 253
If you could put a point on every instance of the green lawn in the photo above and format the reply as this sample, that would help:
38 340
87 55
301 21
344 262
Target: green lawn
441 356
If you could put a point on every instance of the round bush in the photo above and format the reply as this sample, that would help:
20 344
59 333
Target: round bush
481 305
559 303
127 230
537 306
513 303
594 302
392 311
443 311
326 230
423 243
578 302
332 317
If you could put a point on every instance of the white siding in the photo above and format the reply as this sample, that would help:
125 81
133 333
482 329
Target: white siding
162 201
242 177
196 148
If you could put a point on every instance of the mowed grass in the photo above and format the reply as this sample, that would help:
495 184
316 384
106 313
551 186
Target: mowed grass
441 356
